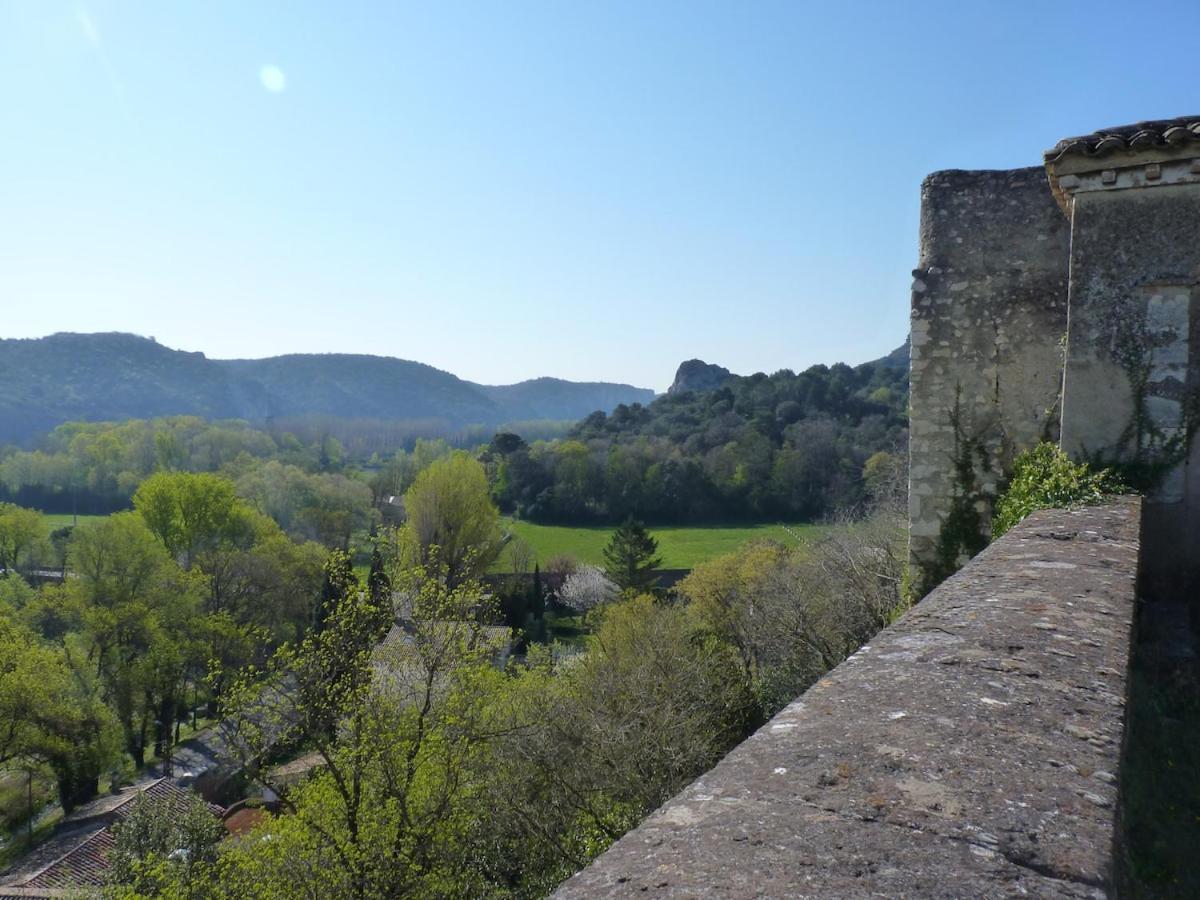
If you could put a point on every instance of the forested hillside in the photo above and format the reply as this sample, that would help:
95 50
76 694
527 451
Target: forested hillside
94 377
791 447
794 446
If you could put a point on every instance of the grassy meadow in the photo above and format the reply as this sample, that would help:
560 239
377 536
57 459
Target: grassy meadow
681 547
55 521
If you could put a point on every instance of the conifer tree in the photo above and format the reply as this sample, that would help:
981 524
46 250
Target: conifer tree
340 582
629 559
378 584
537 599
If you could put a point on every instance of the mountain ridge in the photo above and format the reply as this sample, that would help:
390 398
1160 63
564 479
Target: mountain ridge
116 375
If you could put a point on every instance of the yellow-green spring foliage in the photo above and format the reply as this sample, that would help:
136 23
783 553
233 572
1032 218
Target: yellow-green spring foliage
1044 477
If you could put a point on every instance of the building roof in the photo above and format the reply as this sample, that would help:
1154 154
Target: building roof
83 866
77 856
1157 134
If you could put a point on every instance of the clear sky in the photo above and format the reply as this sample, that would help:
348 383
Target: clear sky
504 190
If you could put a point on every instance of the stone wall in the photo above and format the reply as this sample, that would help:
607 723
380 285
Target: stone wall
989 317
1133 368
970 751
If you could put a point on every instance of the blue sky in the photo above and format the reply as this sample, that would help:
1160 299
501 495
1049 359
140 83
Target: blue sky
506 190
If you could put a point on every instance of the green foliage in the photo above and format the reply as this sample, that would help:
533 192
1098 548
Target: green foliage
325 507
139 614
961 535
340 584
1045 477
98 466
629 559
22 539
789 614
451 517
160 844
50 711
442 776
34 686
190 511
780 446
403 736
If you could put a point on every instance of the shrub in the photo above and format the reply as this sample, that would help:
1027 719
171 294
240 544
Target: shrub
1044 477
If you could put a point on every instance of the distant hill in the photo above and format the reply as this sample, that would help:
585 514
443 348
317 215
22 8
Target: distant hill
95 377
719 447
695 375
897 359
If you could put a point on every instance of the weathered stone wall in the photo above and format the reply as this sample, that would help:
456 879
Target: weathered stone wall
1133 366
970 751
989 314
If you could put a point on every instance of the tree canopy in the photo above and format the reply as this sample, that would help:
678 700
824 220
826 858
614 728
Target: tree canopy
451 518
629 559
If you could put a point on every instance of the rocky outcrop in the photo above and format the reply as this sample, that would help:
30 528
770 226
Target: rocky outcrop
697 375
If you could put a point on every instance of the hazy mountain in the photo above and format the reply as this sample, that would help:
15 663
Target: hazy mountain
553 398
64 377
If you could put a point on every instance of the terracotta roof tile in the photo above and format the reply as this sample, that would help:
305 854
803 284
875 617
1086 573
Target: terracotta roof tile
84 864
1162 133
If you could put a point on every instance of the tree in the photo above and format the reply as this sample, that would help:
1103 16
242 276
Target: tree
389 812
791 614
160 843
21 533
33 680
140 614
49 714
506 442
190 511
884 476
537 594
451 519
340 583
629 559
379 585
587 588
261 577
256 574
324 507
585 751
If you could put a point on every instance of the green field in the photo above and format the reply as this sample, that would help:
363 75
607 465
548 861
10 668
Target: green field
62 520
679 547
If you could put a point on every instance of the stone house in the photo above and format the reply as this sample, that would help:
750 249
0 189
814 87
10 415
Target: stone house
1058 302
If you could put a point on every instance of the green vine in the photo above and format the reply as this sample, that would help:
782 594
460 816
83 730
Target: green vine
1145 453
962 532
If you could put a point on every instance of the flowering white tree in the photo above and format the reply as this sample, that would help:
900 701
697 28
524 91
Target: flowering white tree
586 588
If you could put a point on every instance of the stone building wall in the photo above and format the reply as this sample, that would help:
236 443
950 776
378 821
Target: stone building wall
989 318
1134 358
1135 268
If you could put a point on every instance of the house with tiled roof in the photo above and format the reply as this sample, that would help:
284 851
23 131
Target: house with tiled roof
76 855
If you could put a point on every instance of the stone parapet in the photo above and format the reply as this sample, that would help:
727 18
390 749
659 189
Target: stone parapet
971 750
